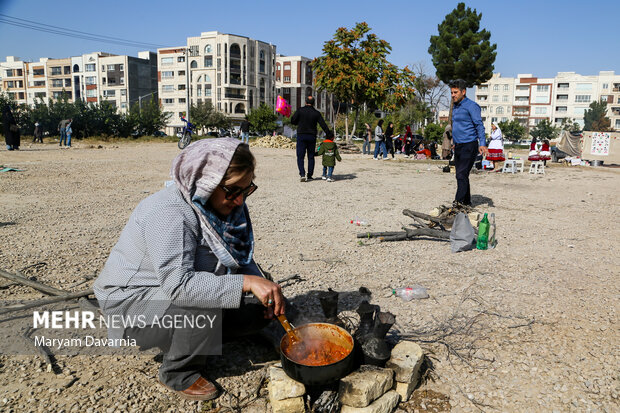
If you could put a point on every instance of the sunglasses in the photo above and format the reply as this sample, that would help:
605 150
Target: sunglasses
232 192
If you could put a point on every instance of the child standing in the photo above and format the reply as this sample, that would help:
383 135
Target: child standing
329 150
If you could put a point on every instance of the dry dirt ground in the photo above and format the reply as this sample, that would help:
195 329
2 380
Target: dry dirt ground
531 325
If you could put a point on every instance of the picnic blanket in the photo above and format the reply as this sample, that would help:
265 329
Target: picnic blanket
9 169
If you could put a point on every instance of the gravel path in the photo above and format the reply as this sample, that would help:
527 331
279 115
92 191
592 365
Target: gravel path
529 326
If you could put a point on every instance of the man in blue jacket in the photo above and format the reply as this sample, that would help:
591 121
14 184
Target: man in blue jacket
467 136
306 119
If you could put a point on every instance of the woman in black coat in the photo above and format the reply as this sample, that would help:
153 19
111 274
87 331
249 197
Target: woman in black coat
11 130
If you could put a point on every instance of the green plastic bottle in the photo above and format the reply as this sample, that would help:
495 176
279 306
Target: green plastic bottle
483 233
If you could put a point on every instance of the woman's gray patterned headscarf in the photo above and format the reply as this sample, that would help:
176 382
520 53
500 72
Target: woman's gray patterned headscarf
197 171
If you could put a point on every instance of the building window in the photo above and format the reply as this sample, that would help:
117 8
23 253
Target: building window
90 67
103 68
208 61
39 83
506 88
91 93
193 65
499 110
122 80
182 100
582 98
261 62
495 98
56 70
561 109
109 93
40 95
286 90
123 105
167 74
168 101
181 59
287 79
605 85
67 82
584 87
167 61
542 88
123 92
193 51
504 119
208 49
38 72
540 111
91 80
167 88
207 90
495 88
505 98
287 67
181 73
67 70
56 82
181 87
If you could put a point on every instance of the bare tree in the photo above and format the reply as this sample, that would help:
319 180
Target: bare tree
430 89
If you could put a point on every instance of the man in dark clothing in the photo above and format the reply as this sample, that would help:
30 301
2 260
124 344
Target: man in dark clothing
306 119
468 138
11 130
245 130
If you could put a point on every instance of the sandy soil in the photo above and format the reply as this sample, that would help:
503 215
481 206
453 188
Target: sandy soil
529 326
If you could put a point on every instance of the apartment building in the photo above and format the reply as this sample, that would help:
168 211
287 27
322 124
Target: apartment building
92 77
233 72
530 99
295 81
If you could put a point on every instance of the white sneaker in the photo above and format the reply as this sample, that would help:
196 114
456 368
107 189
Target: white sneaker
330 180
323 177
376 159
303 179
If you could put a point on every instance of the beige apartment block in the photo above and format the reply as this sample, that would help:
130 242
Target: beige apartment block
234 73
295 82
530 99
13 79
92 78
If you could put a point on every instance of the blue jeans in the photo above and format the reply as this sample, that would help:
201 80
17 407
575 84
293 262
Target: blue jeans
245 137
306 145
380 145
327 171
68 139
366 147
63 136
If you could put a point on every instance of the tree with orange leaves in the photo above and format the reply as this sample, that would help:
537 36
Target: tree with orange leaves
354 67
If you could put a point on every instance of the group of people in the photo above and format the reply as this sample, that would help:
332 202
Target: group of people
386 143
64 127
12 133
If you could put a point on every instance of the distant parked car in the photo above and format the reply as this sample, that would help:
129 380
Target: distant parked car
159 134
213 134
557 154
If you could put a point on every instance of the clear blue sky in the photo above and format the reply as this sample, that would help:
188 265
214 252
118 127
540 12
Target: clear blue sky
539 37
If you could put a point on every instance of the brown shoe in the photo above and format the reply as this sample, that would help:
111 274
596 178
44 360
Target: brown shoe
202 389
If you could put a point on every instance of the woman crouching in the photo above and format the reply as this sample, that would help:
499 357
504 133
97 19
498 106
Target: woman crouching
187 252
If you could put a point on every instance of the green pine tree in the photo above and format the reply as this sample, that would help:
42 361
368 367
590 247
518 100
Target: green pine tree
461 50
594 119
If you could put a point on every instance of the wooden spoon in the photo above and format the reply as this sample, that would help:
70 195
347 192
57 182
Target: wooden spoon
289 330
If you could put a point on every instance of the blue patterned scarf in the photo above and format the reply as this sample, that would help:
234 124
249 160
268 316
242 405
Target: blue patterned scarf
235 231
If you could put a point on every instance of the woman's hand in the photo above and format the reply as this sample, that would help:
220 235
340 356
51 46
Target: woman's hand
267 292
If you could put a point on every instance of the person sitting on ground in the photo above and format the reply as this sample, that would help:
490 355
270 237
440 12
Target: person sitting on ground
423 152
186 250
329 150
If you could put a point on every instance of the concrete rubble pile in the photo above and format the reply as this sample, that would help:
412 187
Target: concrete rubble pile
369 389
277 141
